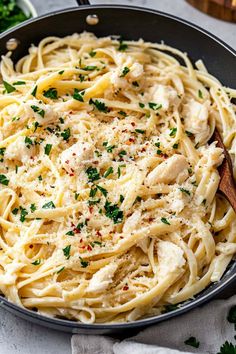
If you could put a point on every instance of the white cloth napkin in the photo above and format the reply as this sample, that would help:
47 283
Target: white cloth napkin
208 324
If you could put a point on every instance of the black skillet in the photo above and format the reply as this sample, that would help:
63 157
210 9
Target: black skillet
130 23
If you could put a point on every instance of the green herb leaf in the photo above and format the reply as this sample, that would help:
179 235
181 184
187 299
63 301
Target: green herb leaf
227 348
61 72
122 153
122 113
19 83
183 190
38 110
60 270
189 134
33 93
122 47
99 105
165 221
102 190
113 212
175 146
110 148
76 195
83 263
8 87
77 96
121 198
70 233
23 213
141 105
47 149
192 341
15 211
200 95
93 192
173 131
125 71
33 207
37 262
4 180
93 202
28 142
154 105
90 68
49 205
66 251
108 172
92 53
93 174
81 77
51 93
140 131
170 307
66 134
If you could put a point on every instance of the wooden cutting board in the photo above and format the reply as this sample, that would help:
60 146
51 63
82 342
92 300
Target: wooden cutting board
222 9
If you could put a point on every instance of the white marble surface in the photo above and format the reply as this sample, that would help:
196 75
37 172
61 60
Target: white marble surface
16 335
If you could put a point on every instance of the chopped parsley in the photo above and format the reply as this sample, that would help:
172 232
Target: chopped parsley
33 93
173 131
165 221
137 199
93 202
99 105
2 152
140 131
200 95
154 105
61 72
113 212
76 195
60 270
33 207
66 251
122 113
81 77
227 348
108 172
183 190
47 149
40 178
66 134
175 146
232 315
159 152
141 105
189 134
51 93
121 198
122 153
93 192
8 87
122 47
93 174
92 53
83 263
192 341
170 307
90 68
4 180
102 190
77 96
119 170
23 213
38 110
80 225
36 125
37 262
125 71
19 83
110 148
49 205
28 142
15 211
70 233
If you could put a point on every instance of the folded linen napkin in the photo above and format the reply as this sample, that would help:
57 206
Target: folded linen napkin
208 324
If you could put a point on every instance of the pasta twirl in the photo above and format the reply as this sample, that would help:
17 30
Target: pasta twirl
108 182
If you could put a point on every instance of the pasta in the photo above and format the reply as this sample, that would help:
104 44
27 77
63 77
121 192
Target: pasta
109 210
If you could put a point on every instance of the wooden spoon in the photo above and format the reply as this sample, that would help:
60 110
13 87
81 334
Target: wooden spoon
227 184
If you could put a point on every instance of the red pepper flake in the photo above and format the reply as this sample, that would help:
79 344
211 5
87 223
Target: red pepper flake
89 248
72 224
71 174
98 233
77 231
131 140
31 246
81 240
126 287
133 124
67 161
143 149
124 131
74 154
90 209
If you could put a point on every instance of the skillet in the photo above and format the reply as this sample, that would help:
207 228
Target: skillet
131 23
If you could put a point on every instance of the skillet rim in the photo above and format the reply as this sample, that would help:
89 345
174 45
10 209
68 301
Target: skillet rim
218 287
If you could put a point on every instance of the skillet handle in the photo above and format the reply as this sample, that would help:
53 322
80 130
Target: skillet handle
83 2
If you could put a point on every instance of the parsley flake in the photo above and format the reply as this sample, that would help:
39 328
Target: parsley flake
165 221
108 172
99 105
83 263
8 87
4 180
47 149
51 93
192 341
66 134
49 205
37 262
113 212
93 174
77 96
38 110
125 71
66 251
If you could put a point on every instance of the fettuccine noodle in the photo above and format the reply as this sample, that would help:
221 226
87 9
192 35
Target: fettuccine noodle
109 208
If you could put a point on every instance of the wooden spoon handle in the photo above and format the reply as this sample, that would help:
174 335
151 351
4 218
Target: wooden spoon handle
222 9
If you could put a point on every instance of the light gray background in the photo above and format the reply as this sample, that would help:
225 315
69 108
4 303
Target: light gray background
18 336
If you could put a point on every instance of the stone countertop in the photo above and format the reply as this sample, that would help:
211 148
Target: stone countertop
18 336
